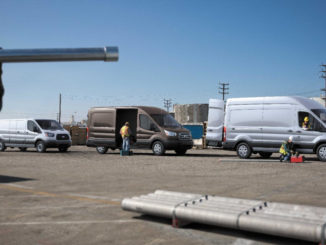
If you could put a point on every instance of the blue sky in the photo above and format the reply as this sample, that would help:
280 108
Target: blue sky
173 49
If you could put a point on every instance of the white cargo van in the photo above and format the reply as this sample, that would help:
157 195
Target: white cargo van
39 133
261 124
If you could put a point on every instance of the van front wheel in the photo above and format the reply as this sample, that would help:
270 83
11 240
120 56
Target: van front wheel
158 148
40 146
321 152
244 150
102 149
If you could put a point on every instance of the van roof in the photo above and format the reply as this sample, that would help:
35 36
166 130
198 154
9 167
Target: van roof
295 100
147 109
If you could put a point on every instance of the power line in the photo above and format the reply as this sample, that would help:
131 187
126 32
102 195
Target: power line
167 104
324 76
223 89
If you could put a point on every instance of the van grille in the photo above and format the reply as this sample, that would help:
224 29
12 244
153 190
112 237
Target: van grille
62 137
184 136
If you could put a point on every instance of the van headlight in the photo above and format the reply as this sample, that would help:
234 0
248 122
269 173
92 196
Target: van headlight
169 133
49 134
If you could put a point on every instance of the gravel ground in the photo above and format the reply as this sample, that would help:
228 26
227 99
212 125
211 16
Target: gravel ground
74 197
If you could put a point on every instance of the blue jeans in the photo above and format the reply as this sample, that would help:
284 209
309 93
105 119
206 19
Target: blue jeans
126 144
287 157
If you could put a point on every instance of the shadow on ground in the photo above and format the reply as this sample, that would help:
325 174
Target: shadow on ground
257 237
10 179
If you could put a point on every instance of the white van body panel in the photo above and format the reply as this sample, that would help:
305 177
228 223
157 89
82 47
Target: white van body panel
215 123
16 133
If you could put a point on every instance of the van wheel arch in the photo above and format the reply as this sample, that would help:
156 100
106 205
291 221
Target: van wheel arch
243 149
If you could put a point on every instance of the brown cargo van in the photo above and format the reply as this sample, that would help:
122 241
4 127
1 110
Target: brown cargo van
151 127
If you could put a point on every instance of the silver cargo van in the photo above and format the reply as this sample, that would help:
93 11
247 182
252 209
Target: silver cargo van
39 133
152 128
261 124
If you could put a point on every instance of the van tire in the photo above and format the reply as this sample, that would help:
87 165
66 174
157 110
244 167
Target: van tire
2 146
158 148
101 149
321 152
181 152
243 150
40 146
22 149
265 155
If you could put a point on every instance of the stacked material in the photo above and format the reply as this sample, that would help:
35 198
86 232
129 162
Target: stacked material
293 221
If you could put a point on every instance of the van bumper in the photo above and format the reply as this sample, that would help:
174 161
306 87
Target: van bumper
57 143
178 144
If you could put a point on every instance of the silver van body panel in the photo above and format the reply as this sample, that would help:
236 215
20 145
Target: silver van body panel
15 133
265 122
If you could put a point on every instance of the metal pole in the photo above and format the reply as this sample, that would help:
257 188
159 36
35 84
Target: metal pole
59 54
60 108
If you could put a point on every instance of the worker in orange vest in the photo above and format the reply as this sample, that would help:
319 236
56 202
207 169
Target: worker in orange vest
125 134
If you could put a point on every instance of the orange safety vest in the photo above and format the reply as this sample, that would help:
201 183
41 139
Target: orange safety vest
124 131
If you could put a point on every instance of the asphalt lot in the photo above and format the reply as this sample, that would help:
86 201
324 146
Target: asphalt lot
74 197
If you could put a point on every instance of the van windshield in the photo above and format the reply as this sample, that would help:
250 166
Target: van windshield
321 113
49 124
165 121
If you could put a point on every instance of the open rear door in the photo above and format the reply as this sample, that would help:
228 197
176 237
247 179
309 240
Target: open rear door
214 135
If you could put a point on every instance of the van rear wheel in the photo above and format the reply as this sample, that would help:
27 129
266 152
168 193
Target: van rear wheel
158 148
265 155
321 152
2 146
102 149
244 150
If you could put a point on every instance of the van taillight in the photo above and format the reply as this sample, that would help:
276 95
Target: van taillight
87 133
224 134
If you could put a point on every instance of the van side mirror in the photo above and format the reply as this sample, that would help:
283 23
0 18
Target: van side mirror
35 129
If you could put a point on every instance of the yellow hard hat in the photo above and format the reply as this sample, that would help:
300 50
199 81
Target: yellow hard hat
306 119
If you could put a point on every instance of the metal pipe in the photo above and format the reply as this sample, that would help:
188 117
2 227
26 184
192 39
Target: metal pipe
293 221
59 54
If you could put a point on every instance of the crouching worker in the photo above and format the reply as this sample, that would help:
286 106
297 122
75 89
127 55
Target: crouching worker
125 134
287 149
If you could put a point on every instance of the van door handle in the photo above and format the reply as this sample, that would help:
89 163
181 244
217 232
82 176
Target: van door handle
290 131
233 128
298 131
210 130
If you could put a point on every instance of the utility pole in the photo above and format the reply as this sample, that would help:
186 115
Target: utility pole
324 76
59 108
223 89
167 104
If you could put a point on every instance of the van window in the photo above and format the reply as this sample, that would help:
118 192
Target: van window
313 123
49 124
165 121
321 113
146 123
31 126
103 119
